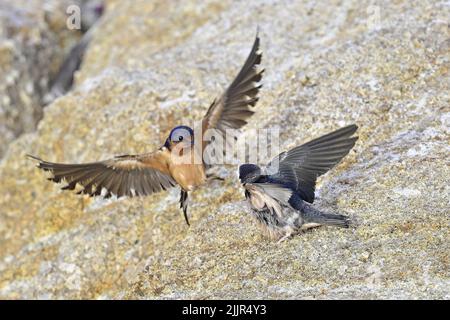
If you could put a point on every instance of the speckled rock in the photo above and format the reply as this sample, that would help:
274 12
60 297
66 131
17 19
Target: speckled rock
33 41
160 64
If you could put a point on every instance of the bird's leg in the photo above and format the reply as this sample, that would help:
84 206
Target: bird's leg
289 232
184 204
284 238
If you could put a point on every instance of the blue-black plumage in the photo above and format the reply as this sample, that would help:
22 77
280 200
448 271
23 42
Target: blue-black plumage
280 195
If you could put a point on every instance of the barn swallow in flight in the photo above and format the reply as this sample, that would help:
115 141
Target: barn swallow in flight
144 174
278 195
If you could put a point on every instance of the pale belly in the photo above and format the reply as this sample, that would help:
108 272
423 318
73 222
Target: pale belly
188 176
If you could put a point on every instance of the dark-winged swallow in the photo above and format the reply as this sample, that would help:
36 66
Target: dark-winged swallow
144 174
280 195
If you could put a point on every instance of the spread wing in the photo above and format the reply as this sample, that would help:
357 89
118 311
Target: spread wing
301 165
232 109
129 175
269 195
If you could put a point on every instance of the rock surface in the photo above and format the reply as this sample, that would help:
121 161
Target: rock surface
155 65
33 41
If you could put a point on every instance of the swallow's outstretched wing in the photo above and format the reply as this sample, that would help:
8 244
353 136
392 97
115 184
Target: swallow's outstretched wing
269 196
232 109
300 166
129 175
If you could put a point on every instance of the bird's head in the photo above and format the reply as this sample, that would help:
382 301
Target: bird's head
182 136
249 173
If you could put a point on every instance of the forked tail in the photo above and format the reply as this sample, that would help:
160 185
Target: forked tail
312 215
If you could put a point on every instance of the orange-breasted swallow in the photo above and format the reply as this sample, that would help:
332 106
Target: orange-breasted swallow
279 195
144 174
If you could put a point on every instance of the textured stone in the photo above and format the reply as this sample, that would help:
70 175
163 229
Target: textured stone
154 65
33 41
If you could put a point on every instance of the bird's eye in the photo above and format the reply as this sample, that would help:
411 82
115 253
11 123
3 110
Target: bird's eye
180 138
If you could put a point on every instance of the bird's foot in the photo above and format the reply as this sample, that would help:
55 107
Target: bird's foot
184 205
287 236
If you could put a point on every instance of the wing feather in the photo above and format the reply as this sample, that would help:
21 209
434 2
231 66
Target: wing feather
232 109
145 174
269 196
301 165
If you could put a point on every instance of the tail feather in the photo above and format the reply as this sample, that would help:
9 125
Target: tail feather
337 220
313 215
